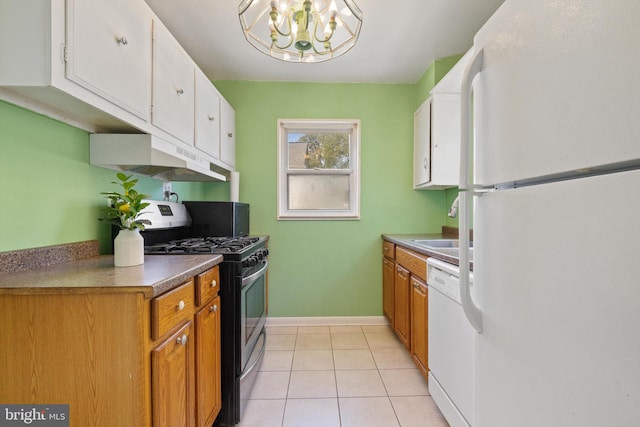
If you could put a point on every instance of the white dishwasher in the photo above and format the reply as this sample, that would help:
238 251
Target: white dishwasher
451 345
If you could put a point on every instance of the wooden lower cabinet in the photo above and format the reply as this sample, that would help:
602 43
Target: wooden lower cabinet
404 299
208 392
97 352
419 324
85 350
402 302
173 379
388 290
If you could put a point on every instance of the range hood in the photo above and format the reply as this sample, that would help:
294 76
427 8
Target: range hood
148 155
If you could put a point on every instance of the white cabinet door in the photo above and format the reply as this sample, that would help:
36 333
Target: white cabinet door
422 145
173 86
207 136
436 142
445 140
109 51
227 133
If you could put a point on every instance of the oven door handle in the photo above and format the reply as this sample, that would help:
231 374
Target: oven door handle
249 279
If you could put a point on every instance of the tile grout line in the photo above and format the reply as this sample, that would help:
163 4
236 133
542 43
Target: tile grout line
286 399
395 414
335 377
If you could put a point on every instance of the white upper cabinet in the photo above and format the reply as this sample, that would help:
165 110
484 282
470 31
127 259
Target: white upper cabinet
109 51
445 140
227 134
63 59
173 86
437 133
422 145
207 136
436 142
112 66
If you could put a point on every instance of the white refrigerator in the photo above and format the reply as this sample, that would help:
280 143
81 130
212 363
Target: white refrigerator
550 180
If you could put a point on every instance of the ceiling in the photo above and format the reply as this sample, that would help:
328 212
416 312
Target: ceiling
391 48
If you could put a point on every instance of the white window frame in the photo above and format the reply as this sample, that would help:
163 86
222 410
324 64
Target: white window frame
316 125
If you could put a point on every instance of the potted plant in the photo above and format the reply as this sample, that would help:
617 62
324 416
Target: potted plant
123 211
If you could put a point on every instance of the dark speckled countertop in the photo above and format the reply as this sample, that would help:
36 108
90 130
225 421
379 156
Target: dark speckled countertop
158 274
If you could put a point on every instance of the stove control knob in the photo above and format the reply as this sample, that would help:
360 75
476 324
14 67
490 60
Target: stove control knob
250 262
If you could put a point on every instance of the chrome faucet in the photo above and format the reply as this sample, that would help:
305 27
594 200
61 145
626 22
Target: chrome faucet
453 210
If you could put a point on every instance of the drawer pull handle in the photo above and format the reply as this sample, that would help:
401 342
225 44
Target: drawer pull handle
180 305
230 134
180 91
213 283
182 340
122 40
213 308
211 118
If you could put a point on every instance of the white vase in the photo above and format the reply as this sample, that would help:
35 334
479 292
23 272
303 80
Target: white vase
128 248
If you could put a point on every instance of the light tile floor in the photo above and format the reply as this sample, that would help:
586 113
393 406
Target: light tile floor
339 376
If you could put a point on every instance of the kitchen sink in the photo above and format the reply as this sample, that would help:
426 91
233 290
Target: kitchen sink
450 247
439 243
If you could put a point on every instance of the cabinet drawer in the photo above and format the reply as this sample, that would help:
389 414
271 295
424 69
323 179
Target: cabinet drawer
389 249
207 285
170 309
412 261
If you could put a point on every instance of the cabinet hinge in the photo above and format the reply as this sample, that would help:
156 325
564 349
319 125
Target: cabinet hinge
65 53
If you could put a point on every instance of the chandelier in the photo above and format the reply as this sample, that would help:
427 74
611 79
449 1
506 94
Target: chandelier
301 30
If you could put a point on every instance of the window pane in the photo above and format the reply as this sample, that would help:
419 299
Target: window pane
320 192
318 150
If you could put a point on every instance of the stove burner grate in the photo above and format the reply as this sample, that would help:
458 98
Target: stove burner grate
194 245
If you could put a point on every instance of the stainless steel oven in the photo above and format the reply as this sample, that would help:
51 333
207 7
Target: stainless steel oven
253 308
253 315
244 293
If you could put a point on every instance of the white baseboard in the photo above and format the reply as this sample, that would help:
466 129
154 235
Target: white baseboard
329 320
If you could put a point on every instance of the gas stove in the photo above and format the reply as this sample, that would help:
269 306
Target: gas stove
195 245
248 250
221 228
174 230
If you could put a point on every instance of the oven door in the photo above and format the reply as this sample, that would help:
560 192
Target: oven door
253 310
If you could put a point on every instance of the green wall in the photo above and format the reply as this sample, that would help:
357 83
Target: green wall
331 268
318 268
51 194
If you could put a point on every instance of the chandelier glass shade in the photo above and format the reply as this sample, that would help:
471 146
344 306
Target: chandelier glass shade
301 30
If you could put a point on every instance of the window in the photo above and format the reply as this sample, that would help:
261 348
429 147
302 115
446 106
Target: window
318 169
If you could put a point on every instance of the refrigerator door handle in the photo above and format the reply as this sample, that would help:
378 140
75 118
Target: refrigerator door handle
467 187
471 71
